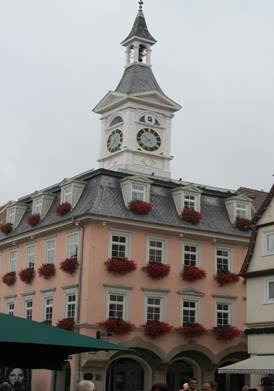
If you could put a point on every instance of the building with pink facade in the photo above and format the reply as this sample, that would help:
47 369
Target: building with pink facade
128 254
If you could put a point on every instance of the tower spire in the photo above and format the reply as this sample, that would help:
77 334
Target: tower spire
141 5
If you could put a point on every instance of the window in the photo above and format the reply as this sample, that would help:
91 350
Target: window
138 192
223 257
241 210
37 206
50 251
117 120
30 256
13 261
191 255
70 304
28 308
190 201
48 308
156 250
119 246
190 308
154 308
67 194
10 304
116 306
269 243
223 314
73 245
11 214
269 291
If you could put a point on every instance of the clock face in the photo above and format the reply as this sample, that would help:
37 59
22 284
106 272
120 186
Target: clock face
115 140
149 139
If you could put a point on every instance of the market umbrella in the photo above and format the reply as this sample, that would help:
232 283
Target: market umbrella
28 344
261 364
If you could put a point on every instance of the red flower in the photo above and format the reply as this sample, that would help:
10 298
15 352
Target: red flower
156 270
34 219
192 330
155 328
226 332
191 216
193 273
6 228
27 275
140 207
226 277
66 323
117 326
9 278
120 266
70 265
47 270
63 208
243 224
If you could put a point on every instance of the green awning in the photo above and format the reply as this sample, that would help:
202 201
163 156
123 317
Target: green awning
31 344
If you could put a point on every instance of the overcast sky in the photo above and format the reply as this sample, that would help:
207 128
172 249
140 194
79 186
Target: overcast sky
58 58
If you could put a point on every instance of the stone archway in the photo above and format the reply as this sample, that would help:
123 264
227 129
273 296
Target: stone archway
227 382
178 373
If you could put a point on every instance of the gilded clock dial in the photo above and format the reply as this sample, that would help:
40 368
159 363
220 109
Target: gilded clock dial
149 139
115 140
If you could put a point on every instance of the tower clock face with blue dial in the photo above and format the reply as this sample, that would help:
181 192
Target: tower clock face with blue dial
115 140
149 139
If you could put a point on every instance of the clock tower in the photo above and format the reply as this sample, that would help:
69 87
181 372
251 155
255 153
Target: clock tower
136 117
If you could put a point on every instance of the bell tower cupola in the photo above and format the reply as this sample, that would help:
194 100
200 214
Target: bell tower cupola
136 116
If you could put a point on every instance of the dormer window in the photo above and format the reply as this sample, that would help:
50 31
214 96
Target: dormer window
11 213
71 191
241 210
239 206
135 189
37 206
187 197
138 192
41 203
15 213
190 201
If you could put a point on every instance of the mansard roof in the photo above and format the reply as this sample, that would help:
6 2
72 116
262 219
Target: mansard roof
139 30
102 198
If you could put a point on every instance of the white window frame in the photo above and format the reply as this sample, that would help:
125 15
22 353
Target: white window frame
37 206
141 194
27 300
68 293
47 250
198 252
265 238
267 299
241 210
29 260
67 194
197 306
10 301
118 292
229 312
163 249
127 243
47 296
194 201
229 251
13 260
11 215
69 245
155 295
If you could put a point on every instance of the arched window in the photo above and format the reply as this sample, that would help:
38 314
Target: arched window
116 120
149 119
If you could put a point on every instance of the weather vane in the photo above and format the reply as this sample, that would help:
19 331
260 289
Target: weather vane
141 5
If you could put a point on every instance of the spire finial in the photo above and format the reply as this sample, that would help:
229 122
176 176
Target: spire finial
141 5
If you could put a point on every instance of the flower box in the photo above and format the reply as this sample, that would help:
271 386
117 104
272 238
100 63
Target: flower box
6 228
70 265
192 273
156 270
34 219
120 266
226 277
192 330
63 209
191 216
155 328
27 275
66 323
242 224
225 333
117 326
140 207
47 270
9 278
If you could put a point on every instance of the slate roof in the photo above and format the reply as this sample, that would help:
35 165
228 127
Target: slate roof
140 29
138 78
102 197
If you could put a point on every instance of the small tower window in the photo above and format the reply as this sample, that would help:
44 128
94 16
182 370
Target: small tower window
149 119
115 121
142 57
